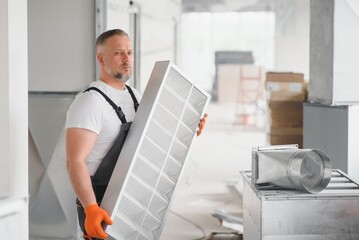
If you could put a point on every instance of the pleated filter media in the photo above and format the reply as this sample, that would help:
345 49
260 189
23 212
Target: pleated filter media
141 188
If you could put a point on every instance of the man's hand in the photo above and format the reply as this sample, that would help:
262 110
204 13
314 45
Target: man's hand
201 124
94 217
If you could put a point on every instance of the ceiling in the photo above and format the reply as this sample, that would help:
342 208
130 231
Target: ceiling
226 5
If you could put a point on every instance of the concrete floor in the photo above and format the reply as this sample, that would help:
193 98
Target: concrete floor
215 161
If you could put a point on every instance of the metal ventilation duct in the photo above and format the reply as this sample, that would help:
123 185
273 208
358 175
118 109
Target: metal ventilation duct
289 167
148 169
279 214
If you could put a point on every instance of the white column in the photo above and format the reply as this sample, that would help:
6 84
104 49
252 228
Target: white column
14 120
334 49
4 100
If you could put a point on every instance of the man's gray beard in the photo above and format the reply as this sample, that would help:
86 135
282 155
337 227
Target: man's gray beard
122 78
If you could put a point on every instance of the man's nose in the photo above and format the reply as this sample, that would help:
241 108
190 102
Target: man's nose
126 57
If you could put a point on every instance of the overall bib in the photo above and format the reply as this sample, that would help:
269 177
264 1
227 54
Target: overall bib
103 174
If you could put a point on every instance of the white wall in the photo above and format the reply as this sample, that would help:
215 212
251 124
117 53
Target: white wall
292 36
61 44
205 33
117 15
158 32
13 120
158 19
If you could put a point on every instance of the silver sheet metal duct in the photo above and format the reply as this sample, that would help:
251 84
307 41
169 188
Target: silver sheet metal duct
149 166
289 167
278 214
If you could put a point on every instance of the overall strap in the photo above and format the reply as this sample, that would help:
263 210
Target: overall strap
134 99
118 109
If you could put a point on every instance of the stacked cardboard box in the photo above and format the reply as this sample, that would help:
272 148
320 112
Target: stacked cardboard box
286 93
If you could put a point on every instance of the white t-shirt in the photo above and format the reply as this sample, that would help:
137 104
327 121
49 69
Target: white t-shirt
91 111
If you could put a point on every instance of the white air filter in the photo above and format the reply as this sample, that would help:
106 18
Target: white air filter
148 169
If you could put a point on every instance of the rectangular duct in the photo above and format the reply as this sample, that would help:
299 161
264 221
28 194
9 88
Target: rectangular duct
277 214
148 169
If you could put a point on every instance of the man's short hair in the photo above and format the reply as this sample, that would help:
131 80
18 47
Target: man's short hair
106 35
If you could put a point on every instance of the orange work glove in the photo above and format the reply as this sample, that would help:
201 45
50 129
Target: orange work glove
94 217
201 124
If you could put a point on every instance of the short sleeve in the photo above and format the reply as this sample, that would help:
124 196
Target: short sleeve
86 112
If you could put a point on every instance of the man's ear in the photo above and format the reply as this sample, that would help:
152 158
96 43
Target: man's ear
100 58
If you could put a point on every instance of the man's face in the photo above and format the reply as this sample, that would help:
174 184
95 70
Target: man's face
118 57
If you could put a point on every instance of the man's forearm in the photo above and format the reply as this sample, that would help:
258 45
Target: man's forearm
81 182
79 143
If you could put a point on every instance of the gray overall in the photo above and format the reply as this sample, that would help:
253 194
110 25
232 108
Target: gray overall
103 174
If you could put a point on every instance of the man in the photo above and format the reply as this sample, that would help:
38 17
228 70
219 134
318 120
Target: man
96 127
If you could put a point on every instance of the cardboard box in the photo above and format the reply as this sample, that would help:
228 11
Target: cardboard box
286 96
284 77
285 105
279 123
285 114
286 131
285 139
282 114
285 86
288 115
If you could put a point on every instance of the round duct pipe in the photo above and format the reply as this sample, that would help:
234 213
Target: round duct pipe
302 169
309 170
